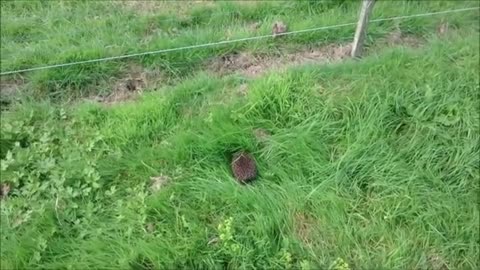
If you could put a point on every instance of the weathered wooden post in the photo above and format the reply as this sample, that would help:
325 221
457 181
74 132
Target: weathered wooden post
361 31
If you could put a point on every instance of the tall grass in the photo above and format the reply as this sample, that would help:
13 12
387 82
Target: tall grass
364 164
40 33
372 163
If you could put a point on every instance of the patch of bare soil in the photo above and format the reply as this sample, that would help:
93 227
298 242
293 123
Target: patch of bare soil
242 89
254 26
4 190
131 85
9 89
304 226
150 227
437 262
252 66
261 135
398 38
442 29
158 182
329 53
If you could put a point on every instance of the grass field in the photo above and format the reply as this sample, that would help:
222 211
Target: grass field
363 164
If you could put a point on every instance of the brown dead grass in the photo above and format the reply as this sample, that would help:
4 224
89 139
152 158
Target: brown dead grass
150 227
10 86
445 29
9 90
251 65
137 79
304 228
397 38
243 89
437 262
4 190
262 135
158 182
132 84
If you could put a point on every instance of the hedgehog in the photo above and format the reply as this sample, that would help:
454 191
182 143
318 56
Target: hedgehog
279 28
243 167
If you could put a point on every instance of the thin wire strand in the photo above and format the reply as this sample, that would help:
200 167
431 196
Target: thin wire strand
229 41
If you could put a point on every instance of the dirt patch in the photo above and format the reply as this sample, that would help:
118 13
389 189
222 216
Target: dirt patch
150 227
262 135
437 262
131 85
254 26
398 38
9 89
329 53
304 226
126 89
244 62
158 182
251 65
442 29
10 86
4 190
242 89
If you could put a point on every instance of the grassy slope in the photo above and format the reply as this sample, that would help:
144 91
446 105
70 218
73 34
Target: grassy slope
374 162
49 32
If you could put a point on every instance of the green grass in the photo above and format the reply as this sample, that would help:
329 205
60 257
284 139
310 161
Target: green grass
373 163
42 33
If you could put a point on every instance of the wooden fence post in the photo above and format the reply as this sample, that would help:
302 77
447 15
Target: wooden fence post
361 31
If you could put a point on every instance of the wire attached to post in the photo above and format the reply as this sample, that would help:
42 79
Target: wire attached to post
228 42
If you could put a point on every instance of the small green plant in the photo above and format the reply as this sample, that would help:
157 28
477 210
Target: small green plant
226 235
305 265
339 264
285 258
225 230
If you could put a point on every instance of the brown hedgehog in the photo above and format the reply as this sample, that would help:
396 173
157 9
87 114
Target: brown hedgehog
279 28
243 167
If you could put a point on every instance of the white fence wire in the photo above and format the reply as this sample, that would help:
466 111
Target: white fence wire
223 42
